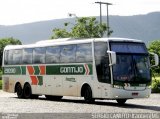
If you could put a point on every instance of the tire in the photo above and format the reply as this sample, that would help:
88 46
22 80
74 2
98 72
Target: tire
121 101
27 92
19 91
50 97
88 95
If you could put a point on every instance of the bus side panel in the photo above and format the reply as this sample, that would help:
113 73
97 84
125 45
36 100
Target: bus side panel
49 85
39 85
55 86
5 84
70 85
96 88
9 82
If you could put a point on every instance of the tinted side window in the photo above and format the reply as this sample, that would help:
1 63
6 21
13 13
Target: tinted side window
100 49
68 53
102 62
27 56
84 53
10 57
53 54
6 57
17 56
39 55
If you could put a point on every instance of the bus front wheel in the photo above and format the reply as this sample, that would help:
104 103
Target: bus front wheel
19 91
121 101
88 95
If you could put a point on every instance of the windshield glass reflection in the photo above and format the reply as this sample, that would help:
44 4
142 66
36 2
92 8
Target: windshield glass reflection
131 68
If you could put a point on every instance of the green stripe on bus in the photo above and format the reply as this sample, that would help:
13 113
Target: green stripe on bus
90 68
15 70
81 69
40 80
23 70
36 70
69 69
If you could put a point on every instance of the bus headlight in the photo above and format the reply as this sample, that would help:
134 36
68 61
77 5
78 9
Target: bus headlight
118 86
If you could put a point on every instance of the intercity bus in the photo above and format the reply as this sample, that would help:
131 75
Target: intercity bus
97 68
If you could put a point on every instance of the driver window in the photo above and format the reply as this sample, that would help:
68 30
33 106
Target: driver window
102 62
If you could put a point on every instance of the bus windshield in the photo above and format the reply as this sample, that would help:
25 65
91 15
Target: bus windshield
132 63
132 68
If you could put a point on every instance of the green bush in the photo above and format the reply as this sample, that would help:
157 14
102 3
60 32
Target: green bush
0 78
156 85
0 84
0 73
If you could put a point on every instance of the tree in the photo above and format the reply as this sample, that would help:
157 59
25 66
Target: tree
155 48
60 33
85 27
7 41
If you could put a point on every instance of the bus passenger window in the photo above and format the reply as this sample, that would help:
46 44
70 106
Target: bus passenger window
53 54
10 57
27 56
68 53
100 50
17 56
39 55
6 57
84 53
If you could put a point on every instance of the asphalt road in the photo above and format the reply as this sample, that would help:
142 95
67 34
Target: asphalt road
73 107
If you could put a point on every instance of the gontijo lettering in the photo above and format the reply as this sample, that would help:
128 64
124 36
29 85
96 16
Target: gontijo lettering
65 70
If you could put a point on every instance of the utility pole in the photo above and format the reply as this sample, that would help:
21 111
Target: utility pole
107 4
100 4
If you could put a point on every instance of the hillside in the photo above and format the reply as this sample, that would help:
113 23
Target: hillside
144 27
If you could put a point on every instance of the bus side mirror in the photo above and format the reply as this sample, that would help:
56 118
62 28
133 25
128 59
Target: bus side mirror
113 57
156 59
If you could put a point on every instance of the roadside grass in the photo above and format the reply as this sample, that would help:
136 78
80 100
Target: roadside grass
0 78
0 84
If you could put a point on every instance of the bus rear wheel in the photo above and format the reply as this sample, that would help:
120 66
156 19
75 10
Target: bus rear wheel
88 95
121 101
27 91
19 91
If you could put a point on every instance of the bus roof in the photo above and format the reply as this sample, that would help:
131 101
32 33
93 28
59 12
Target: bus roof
66 41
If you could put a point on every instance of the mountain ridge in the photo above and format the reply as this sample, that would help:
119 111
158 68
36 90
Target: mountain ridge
143 27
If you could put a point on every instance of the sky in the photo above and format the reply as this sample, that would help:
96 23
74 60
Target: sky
14 12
